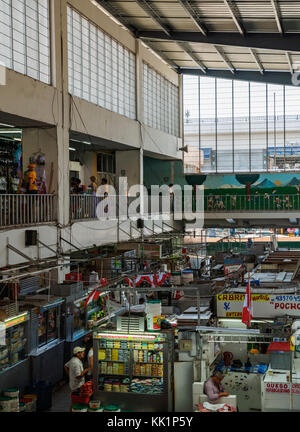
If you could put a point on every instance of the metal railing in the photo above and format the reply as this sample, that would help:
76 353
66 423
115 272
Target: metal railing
27 209
276 203
87 206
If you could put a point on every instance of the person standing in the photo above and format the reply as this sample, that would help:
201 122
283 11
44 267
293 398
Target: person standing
74 369
30 180
93 185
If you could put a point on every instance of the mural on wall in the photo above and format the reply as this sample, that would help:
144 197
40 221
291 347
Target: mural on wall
282 183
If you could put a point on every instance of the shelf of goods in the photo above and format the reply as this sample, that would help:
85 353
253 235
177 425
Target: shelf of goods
14 349
131 369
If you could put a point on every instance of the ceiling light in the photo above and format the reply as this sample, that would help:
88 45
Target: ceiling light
81 142
11 132
6 125
72 149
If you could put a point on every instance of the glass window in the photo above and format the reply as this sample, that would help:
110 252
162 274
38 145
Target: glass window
24 37
160 102
98 70
241 126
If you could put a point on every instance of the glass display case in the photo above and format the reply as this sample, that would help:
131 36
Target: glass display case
15 347
131 368
84 318
47 326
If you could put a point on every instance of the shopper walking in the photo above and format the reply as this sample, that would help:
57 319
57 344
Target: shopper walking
74 369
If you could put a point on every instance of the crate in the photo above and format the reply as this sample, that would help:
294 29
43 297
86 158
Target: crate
280 360
68 288
80 399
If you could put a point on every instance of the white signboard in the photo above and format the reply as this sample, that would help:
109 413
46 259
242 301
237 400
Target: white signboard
264 305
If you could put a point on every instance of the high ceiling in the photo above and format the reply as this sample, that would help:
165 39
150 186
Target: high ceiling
214 35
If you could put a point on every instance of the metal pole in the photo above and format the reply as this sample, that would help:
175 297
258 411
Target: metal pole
267 129
274 129
291 380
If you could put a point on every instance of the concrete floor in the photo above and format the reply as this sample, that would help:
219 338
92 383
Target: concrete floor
61 399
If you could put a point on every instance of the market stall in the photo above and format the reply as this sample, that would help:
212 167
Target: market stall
134 369
14 351
46 345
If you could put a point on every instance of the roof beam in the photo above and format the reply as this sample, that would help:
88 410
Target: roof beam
288 57
230 7
275 7
193 15
273 41
225 60
108 6
188 50
145 5
161 54
282 78
257 61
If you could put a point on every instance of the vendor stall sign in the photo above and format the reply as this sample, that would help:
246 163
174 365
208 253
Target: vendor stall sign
10 322
232 265
241 297
282 388
118 336
264 305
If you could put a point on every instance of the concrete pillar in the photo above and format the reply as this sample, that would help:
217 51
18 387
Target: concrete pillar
59 57
180 110
127 164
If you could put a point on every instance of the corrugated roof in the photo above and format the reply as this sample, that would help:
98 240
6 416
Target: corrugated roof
257 16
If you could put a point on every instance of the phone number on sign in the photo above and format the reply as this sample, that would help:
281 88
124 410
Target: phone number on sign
286 298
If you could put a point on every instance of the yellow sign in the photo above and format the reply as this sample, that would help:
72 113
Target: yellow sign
292 343
233 314
240 297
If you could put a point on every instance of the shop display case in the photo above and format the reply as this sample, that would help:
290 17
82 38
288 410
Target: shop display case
45 329
15 339
80 319
134 370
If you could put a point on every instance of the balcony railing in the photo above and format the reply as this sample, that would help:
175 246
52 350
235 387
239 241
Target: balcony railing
85 206
256 203
27 209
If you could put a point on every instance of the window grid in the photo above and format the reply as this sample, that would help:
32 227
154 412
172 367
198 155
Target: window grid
107 77
160 102
24 37
235 126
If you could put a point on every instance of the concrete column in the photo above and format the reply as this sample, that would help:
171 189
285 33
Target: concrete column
127 164
180 110
139 111
59 57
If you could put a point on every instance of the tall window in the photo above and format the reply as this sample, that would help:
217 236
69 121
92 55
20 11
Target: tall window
161 99
101 70
25 37
239 126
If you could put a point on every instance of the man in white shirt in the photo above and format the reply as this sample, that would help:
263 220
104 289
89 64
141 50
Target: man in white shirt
75 371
